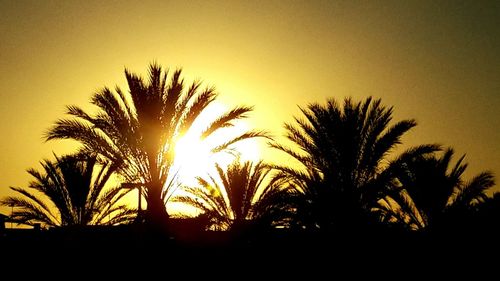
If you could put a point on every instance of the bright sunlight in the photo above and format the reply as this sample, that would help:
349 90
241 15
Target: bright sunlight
194 157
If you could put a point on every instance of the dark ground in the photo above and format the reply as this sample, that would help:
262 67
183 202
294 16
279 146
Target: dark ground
134 250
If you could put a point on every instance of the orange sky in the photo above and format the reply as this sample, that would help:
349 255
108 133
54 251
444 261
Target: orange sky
436 62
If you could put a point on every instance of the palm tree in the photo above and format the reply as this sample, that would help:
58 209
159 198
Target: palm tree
239 197
343 167
138 131
438 194
70 191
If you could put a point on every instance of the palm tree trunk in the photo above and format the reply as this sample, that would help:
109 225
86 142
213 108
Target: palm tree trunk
156 217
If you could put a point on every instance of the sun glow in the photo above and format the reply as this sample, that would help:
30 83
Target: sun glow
193 156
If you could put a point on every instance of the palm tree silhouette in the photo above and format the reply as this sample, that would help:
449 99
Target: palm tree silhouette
70 191
138 131
439 196
239 197
343 153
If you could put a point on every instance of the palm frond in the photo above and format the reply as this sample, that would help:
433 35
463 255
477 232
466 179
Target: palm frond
194 110
474 191
35 199
28 212
391 138
226 120
243 136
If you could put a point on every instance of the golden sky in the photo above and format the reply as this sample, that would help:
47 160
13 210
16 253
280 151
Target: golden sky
436 62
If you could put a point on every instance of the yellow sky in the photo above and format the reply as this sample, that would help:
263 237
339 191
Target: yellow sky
436 62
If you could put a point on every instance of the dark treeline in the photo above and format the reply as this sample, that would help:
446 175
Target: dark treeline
351 187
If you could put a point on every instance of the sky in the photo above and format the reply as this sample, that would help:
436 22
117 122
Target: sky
435 61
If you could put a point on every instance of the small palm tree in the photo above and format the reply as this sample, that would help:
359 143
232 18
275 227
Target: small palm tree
70 191
438 194
239 197
342 151
138 130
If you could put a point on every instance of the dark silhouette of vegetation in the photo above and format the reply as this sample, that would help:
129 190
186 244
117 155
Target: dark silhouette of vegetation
138 130
486 218
439 196
344 153
241 196
70 191
351 193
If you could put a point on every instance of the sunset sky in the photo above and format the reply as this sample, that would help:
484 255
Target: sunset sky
436 62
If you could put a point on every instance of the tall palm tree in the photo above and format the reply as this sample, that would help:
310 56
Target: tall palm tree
240 196
138 130
70 191
438 193
343 167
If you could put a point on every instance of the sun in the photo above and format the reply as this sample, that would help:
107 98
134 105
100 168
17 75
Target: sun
193 157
